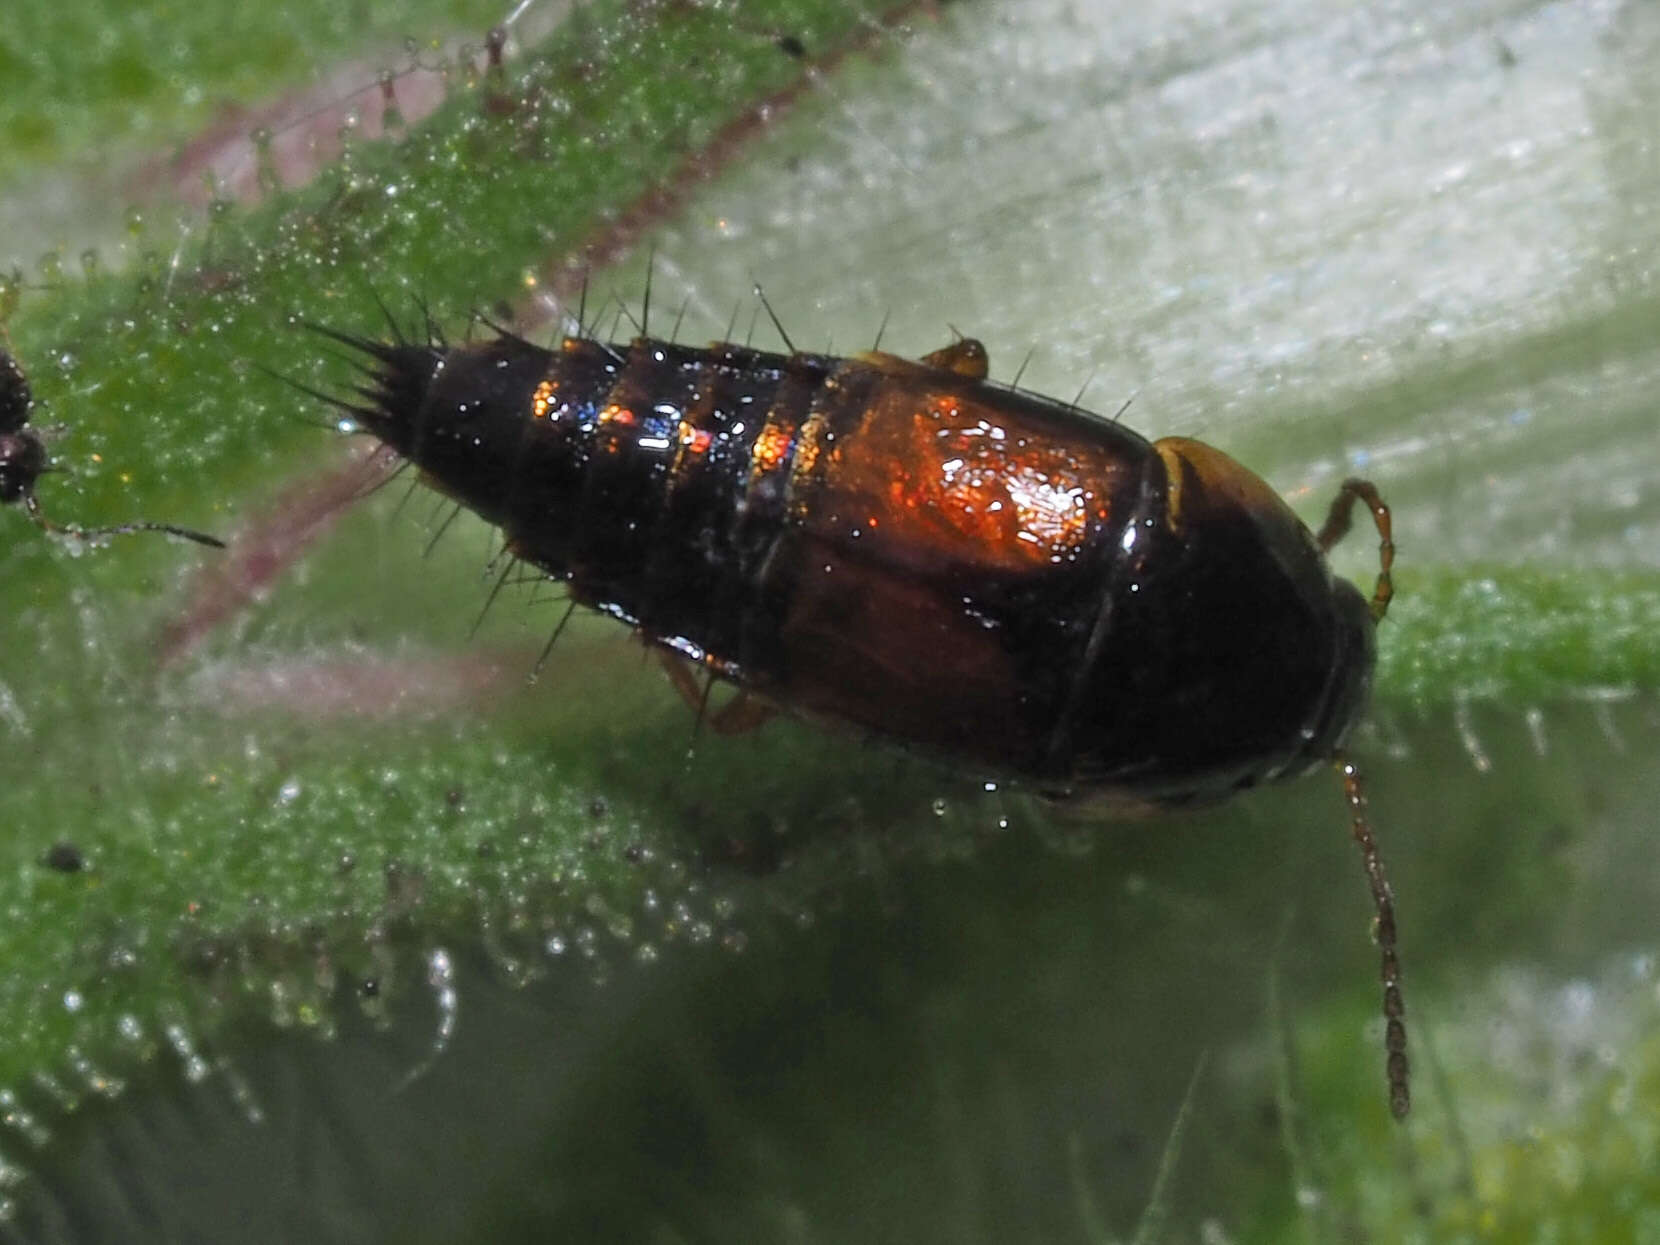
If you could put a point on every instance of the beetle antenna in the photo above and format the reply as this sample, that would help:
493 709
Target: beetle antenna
1383 900
1337 526
89 534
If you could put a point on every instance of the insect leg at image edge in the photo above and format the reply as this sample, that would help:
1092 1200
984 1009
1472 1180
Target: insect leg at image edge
23 460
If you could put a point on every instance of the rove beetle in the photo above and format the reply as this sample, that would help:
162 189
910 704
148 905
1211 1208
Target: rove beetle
992 576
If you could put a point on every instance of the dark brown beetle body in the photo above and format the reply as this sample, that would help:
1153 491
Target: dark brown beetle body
22 456
990 575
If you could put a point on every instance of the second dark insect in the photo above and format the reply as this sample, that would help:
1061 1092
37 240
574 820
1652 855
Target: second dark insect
23 460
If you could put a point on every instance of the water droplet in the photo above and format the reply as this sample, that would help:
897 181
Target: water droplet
447 1003
265 163
1535 718
469 72
1467 735
195 1068
93 1077
391 115
47 1083
14 1116
242 1094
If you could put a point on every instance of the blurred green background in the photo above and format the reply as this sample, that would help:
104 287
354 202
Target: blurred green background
379 942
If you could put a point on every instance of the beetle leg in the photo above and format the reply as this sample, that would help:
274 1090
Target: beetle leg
740 715
1337 526
1383 899
695 694
965 356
